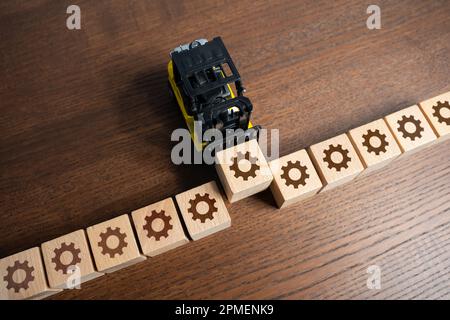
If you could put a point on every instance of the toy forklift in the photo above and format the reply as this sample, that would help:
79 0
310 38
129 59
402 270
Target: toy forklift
202 77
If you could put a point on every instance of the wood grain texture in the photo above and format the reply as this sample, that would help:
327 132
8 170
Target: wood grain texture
85 136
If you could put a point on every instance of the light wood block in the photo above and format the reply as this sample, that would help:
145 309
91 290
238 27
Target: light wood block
375 145
22 276
411 129
437 111
243 170
336 161
62 255
113 244
159 228
203 210
294 178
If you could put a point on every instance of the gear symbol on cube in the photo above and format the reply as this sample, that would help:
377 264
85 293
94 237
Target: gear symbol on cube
339 149
296 166
164 232
24 284
406 134
59 265
381 137
202 216
104 236
437 112
244 174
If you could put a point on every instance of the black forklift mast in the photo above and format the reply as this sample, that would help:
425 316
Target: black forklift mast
203 73
196 60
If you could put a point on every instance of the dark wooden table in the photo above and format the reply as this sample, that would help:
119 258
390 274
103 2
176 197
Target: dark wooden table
85 136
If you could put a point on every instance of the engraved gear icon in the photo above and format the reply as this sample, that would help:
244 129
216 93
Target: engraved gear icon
112 233
381 136
401 127
345 158
59 265
244 174
211 207
11 284
303 174
164 232
437 112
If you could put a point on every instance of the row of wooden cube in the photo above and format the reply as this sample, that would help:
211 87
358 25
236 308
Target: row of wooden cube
243 170
111 245
335 161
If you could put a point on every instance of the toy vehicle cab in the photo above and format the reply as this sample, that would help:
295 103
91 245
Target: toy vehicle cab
201 77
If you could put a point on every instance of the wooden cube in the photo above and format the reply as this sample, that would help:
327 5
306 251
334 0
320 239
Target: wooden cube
67 255
159 228
336 161
243 170
22 276
411 129
203 210
113 244
375 145
437 111
294 178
